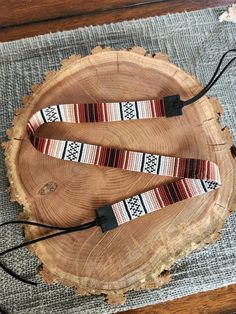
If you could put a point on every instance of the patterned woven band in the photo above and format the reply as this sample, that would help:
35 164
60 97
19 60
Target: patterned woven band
196 176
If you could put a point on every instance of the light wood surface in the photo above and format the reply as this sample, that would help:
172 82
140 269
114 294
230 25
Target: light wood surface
137 255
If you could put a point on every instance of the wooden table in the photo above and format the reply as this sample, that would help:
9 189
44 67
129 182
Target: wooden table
25 18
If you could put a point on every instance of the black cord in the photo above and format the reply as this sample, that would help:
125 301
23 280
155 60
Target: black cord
16 276
66 230
213 80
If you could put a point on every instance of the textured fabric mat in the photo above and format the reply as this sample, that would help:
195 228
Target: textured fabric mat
194 41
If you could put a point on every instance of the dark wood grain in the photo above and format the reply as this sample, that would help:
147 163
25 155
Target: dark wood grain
25 11
49 16
219 301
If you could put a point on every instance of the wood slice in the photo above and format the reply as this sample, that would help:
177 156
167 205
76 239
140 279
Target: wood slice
136 255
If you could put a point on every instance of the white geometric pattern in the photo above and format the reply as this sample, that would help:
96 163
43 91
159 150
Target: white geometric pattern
150 163
134 207
129 110
72 151
51 114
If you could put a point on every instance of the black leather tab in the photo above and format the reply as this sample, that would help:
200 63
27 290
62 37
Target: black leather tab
173 106
106 218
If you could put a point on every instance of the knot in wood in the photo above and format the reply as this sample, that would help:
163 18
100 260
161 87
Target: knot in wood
48 188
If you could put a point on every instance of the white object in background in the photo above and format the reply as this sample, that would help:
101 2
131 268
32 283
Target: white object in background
230 15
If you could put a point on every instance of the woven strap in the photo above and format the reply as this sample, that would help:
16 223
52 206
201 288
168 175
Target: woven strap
196 176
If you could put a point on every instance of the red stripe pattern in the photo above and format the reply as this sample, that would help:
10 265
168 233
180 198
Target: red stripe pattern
196 176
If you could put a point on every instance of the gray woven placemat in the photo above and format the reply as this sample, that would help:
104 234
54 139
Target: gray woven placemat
194 41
